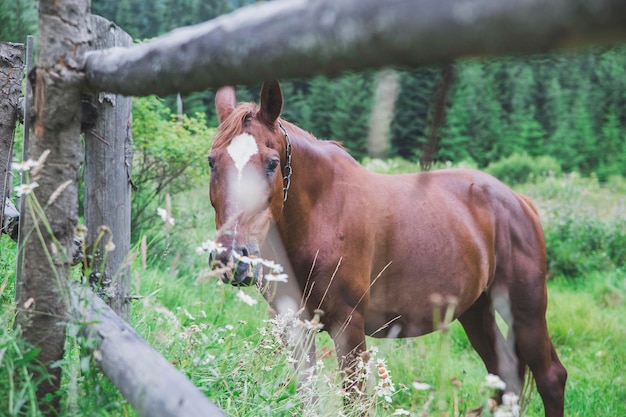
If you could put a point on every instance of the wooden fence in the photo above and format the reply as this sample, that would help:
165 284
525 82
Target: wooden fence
284 38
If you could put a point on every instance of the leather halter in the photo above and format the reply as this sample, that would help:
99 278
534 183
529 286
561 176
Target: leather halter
287 170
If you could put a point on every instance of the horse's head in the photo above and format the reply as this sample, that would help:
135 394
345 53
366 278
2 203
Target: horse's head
246 160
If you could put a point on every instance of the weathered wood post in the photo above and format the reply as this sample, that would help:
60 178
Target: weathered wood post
48 235
108 160
11 69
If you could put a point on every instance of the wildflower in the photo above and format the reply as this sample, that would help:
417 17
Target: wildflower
315 323
401 412
25 189
110 246
275 277
385 387
494 382
273 266
210 246
510 404
421 386
167 218
23 165
246 298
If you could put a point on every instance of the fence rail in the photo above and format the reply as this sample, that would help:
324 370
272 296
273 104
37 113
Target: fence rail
299 38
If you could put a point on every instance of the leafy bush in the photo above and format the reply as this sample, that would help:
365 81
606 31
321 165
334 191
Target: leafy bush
580 245
17 366
169 158
519 168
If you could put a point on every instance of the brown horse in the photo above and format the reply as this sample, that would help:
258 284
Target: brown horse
370 250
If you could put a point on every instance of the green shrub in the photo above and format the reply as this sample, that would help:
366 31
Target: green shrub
580 245
18 364
518 168
169 158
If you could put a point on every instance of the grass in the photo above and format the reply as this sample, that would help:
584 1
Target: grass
230 350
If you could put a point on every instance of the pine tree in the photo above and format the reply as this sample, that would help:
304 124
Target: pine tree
523 133
18 19
408 129
349 121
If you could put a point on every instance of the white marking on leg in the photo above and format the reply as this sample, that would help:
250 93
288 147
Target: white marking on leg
241 149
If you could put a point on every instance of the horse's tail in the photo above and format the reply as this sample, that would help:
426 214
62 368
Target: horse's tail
529 202
529 380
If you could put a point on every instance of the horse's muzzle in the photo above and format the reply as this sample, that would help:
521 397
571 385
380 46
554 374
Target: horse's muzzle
235 271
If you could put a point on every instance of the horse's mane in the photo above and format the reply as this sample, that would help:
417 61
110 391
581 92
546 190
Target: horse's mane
233 125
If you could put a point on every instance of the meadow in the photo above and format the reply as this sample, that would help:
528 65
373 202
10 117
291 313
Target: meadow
232 350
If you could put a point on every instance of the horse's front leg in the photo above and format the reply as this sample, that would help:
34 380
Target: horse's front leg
348 335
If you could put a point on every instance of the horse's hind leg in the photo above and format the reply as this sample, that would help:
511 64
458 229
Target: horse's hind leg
530 330
479 322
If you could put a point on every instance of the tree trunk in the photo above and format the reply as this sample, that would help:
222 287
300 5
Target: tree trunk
47 235
11 69
108 160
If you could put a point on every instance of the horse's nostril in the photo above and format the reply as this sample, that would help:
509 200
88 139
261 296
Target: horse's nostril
243 251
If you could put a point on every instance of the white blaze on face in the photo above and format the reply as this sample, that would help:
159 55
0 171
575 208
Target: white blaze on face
248 192
241 149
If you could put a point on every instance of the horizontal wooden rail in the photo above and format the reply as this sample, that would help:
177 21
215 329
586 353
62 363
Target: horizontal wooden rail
300 38
147 380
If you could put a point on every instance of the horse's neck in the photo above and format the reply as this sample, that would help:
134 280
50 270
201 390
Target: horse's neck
313 166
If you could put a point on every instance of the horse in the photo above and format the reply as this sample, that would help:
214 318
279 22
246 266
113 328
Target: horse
371 250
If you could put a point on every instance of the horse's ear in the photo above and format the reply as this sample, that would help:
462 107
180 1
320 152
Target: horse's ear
271 102
224 102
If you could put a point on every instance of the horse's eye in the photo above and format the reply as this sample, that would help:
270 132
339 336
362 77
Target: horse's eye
272 164
211 162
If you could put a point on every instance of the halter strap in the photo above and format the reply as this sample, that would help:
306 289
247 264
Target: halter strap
287 170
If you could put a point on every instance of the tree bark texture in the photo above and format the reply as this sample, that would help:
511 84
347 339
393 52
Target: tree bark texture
147 380
11 71
300 38
108 160
48 238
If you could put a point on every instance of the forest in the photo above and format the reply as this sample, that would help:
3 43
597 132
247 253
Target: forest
568 106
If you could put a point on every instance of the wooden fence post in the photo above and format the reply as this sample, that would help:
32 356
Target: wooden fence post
108 159
49 219
11 69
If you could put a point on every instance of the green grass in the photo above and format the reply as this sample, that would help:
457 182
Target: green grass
229 351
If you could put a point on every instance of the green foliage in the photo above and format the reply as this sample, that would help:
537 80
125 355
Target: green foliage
410 123
169 157
148 19
17 364
579 246
584 223
520 168
18 18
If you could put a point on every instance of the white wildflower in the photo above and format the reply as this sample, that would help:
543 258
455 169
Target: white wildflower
25 189
167 218
210 246
421 386
401 412
494 382
110 246
272 266
385 387
23 165
313 325
275 277
246 298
